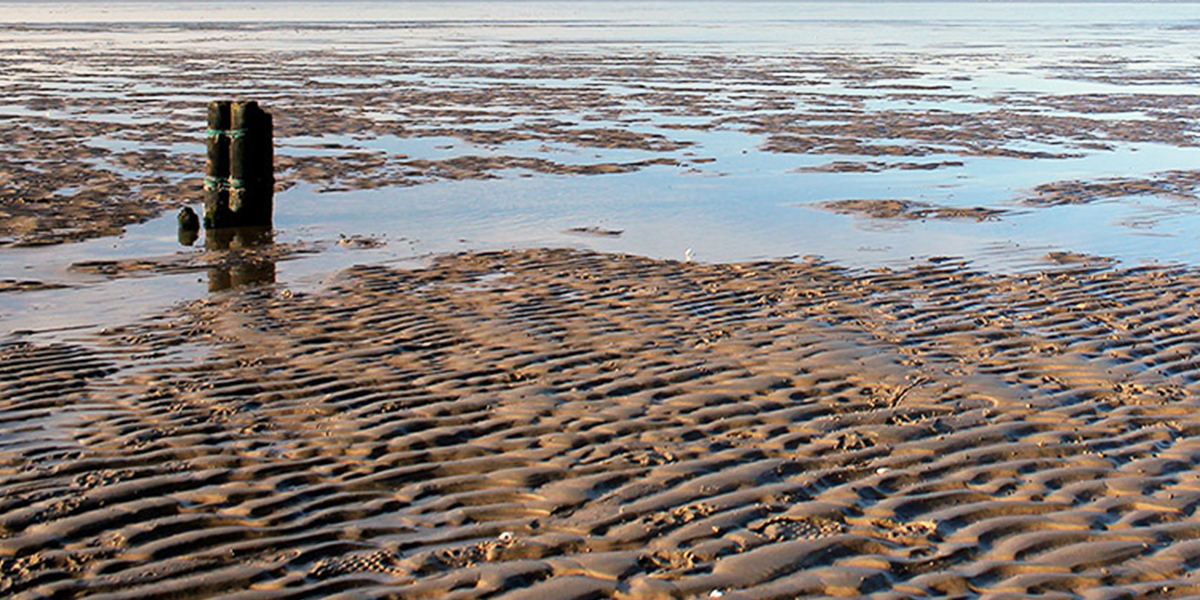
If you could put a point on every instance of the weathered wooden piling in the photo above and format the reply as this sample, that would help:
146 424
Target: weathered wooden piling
216 180
240 184
252 166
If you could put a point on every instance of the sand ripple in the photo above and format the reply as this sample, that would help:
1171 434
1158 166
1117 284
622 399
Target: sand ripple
558 424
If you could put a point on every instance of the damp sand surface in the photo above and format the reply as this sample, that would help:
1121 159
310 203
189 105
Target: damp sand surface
468 364
567 424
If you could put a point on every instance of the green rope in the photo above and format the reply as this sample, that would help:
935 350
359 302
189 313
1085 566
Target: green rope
223 184
233 133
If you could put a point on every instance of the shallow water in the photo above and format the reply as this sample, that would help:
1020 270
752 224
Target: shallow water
747 204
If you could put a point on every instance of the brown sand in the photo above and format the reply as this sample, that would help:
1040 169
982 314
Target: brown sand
560 424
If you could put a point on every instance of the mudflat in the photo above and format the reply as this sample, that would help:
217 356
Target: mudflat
514 392
568 424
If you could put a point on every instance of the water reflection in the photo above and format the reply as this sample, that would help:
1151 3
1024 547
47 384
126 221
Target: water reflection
247 257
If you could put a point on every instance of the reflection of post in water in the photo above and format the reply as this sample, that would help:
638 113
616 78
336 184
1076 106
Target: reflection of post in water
247 260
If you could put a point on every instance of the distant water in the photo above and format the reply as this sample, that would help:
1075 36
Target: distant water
779 12
919 24
1024 32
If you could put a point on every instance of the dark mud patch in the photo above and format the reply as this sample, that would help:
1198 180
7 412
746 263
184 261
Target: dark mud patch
27 285
1078 259
1172 185
846 166
909 209
594 231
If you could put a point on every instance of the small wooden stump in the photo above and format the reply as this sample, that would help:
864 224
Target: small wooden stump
239 187
189 226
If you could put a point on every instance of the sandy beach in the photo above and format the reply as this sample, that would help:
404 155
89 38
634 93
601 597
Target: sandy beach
568 306
565 424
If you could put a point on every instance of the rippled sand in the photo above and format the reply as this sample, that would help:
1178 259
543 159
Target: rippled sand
562 424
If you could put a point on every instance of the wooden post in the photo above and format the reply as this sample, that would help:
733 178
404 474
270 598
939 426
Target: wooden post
252 166
241 166
216 181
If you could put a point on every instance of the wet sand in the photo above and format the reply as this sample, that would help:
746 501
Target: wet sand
88 152
564 424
